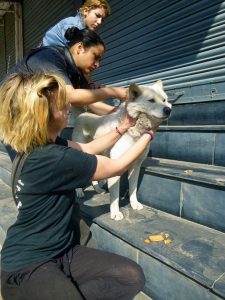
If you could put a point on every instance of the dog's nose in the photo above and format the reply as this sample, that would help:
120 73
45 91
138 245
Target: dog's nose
167 110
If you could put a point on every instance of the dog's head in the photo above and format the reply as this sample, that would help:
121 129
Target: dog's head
149 100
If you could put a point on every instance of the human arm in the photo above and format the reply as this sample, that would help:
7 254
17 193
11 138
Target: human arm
106 141
80 97
52 60
107 167
101 108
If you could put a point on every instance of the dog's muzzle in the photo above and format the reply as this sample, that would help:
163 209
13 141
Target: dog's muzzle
167 110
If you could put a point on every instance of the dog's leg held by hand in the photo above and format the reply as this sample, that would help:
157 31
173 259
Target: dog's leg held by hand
114 185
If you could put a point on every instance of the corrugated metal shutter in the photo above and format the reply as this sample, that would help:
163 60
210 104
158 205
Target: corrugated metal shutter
39 15
177 41
2 50
10 55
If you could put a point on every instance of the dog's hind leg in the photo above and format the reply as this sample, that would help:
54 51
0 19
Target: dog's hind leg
114 185
133 174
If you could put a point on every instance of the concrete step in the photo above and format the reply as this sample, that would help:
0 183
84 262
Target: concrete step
5 167
8 210
2 147
198 144
192 191
191 267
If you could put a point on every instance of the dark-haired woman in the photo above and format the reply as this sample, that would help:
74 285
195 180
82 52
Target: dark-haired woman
82 55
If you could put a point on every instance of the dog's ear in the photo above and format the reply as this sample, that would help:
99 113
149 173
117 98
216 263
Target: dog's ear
134 91
159 83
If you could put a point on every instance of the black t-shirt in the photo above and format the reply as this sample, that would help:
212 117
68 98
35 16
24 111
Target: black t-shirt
45 226
51 59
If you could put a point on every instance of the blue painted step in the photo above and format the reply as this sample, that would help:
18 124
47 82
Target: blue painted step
198 144
191 267
192 191
5 167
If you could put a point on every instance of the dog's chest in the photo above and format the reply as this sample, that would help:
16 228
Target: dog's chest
143 123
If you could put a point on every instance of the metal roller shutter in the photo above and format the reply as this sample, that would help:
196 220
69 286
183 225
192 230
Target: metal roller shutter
2 51
178 41
49 13
10 55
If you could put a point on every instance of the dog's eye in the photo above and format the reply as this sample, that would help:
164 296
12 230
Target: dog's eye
164 100
151 100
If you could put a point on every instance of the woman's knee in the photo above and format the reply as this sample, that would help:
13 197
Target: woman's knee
136 275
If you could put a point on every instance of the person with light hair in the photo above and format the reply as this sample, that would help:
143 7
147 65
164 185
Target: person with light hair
90 15
41 258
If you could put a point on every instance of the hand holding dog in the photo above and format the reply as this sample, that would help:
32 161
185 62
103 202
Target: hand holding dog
127 122
120 93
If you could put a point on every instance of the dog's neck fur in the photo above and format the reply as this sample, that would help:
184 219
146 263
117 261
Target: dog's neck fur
144 121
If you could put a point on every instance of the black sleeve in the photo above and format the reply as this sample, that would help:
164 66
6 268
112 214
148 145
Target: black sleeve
61 141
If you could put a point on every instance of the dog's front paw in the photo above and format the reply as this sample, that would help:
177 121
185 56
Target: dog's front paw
116 216
79 193
137 205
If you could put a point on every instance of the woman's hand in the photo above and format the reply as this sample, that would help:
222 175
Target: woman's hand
126 123
121 93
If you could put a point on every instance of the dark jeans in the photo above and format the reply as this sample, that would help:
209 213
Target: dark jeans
81 273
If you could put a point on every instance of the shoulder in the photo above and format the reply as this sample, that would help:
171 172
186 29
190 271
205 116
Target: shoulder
63 166
47 58
58 152
45 52
51 155
76 21
68 20
48 152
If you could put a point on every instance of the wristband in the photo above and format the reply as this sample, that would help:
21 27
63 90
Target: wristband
151 133
118 131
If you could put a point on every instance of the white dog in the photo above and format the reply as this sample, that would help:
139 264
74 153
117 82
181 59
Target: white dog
150 106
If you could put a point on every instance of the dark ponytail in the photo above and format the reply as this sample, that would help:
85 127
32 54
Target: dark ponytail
87 37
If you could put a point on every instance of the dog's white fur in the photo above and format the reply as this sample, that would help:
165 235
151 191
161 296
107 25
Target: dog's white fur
146 103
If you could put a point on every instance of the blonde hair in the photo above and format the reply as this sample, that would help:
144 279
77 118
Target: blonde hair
25 109
93 4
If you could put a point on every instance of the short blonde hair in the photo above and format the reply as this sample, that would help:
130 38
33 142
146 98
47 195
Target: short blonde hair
25 109
93 4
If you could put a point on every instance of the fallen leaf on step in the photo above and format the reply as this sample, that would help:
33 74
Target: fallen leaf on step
163 236
188 171
168 241
147 241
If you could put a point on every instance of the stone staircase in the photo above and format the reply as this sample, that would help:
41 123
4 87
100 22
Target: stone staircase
193 265
182 187
8 210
